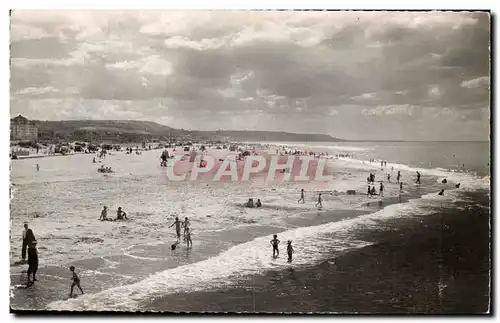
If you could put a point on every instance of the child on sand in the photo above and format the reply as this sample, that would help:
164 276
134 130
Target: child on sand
120 215
76 281
275 242
301 197
320 200
289 250
104 213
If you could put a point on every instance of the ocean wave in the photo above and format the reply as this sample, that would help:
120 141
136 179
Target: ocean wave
311 244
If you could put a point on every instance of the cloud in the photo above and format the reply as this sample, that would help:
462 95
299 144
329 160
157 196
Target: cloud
289 69
483 81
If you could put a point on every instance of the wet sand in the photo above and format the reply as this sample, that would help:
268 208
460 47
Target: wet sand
434 264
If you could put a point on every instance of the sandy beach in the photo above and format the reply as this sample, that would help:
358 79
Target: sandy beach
62 204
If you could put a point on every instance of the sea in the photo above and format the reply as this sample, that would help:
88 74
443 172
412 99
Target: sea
410 252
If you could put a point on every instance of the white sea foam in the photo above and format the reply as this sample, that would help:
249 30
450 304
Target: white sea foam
311 244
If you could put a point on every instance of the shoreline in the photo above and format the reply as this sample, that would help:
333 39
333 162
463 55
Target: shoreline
302 219
408 270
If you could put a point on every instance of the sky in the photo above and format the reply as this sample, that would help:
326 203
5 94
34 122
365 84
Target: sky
352 75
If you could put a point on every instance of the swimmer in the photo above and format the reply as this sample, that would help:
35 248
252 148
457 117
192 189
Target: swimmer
189 242
177 224
258 204
104 213
458 185
418 178
120 215
275 242
442 192
289 250
76 281
320 201
302 198
444 181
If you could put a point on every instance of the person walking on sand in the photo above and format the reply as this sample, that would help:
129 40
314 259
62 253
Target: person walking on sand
76 281
177 224
32 261
275 242
28 238
302 198
187 235
381 190
320 201
289 250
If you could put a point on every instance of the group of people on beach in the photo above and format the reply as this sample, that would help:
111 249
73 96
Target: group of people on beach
319 203
187 232
251 204
276 252
120 215
29 248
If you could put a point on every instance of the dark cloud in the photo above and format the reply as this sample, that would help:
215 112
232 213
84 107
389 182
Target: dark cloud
289 71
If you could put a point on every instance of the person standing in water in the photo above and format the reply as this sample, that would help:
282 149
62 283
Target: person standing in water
187 235
389 178
289 250
320 201
369 194
275 242
399 176
185 225
177 224
418 177
401 186
381 190
302 198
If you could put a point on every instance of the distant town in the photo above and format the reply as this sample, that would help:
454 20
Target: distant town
28 137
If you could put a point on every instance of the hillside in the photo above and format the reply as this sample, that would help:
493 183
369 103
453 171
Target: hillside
134 131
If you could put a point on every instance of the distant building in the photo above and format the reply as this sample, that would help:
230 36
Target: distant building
23 129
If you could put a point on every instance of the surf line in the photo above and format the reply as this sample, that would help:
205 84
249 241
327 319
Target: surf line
298 166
